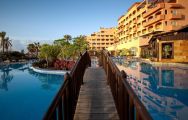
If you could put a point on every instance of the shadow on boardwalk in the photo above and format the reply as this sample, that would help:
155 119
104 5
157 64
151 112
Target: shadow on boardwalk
95 100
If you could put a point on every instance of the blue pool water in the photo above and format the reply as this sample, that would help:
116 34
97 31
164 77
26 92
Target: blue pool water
25 94
162 89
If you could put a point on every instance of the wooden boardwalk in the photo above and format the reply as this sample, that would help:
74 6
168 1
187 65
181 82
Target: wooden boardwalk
95 100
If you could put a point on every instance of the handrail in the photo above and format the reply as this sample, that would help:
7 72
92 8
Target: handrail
127 102
64 104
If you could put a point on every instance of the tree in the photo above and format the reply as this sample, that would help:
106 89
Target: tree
124 52
80 43
61 42
37 46
33 48
67 38
49 52
2 35
7 43
68 52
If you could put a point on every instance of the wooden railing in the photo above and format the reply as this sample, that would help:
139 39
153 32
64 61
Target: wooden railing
128 105
64 103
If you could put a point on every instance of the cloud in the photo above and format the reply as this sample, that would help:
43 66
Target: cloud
17 45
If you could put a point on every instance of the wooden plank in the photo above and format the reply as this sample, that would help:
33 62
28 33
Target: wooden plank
95 100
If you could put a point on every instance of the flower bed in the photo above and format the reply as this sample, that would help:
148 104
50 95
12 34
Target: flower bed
63 64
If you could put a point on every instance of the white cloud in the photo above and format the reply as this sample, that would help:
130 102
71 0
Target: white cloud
18 45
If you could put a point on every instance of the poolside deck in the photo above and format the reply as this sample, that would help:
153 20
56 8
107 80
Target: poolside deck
95 100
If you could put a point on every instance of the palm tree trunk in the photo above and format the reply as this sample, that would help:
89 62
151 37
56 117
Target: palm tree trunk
3 46
47 61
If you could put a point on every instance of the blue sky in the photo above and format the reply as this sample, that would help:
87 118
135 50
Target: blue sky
39 20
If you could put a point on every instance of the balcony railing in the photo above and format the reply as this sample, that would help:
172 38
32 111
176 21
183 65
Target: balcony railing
152 10
175 5
172 28
154 20
175 17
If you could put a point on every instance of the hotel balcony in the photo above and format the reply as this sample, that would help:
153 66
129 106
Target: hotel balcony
175 5
172 28
154 20
134 21
152 10
175 17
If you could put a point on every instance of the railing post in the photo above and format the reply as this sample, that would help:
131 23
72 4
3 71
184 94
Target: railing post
131 109
66 98
125 98
60 110
138 115
107 71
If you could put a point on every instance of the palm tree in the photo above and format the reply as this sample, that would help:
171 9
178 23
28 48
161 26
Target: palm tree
2 35
68 38
7 43
31 48
37 46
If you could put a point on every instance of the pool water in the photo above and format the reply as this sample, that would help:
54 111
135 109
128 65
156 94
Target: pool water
25 94
162 89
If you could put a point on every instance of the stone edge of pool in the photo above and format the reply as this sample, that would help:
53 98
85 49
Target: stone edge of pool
56 72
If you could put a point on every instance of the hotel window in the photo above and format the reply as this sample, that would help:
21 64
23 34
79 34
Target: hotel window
138 25
173 23
150 18
144 31
143 22
174 12
138 17
172 1
165 11
143 13
166 23
167 50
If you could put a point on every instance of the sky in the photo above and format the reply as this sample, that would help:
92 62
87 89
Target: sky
26 21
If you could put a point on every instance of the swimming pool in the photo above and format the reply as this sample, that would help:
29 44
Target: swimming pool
162 89
25 94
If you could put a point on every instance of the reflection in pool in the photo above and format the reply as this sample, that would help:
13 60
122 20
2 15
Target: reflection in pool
25 94
163 90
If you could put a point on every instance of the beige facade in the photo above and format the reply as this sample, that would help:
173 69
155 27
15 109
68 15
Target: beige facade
146 18
102 39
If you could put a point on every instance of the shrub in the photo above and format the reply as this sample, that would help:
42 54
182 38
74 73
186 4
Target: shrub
15 55
63 64
40 64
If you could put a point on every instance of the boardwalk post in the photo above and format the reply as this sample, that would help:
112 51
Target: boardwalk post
125 98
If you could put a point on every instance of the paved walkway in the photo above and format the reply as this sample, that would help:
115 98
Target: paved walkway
95 100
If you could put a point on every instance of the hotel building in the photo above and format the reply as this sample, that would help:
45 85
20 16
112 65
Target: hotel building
147 18
102 39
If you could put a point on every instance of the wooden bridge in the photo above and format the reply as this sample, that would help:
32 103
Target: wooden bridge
96 92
